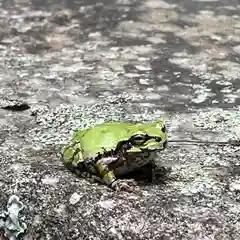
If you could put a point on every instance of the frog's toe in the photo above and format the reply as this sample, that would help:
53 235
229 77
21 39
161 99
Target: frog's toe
128 185
130 182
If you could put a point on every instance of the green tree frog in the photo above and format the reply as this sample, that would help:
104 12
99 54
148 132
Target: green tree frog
110 150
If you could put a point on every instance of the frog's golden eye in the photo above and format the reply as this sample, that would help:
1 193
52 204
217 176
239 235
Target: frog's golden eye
138 139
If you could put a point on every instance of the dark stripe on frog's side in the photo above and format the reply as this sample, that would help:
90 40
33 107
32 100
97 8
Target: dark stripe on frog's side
121 148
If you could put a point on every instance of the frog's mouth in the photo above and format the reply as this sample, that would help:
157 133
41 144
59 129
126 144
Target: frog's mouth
165 144
158 147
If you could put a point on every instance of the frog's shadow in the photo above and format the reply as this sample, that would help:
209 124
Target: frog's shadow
144 176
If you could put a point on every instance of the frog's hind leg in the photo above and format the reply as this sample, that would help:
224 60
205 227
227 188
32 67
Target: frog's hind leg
72 154
107 176
104 174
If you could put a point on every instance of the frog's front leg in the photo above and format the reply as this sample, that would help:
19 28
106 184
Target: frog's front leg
158 173
152 172
108 177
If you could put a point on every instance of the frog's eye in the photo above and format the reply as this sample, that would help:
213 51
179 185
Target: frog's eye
138 139
158 139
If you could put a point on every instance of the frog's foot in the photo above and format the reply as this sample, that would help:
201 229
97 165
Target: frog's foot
128 185
159 174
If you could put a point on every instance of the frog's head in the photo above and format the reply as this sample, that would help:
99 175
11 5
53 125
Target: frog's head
149 137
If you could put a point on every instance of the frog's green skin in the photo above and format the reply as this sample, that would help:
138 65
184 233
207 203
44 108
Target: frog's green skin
113 149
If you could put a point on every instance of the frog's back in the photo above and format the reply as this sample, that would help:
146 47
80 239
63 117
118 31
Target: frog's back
106 135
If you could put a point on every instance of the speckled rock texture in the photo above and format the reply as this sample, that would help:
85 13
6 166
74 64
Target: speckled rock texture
66 65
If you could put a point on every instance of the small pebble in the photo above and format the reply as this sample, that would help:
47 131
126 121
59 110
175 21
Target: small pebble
74 198
143 68
107 204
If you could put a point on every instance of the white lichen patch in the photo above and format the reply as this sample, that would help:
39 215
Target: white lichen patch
107 204
236 49
201 184
50 180
230 70
202 93
205 0
143 68
235 186
156 39
159 4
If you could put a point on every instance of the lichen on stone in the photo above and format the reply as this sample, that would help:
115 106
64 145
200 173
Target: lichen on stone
10 222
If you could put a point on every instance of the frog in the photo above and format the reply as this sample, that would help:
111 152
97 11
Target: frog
110 150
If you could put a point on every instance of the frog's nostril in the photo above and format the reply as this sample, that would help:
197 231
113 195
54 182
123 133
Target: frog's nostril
165 144
129 145
158 139
164 129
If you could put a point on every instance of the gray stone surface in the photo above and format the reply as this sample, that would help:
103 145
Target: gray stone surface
78 63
